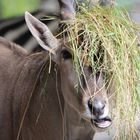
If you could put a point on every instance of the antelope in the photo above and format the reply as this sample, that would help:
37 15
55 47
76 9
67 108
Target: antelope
39 99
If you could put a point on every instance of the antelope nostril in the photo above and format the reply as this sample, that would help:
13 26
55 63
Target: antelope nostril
96 107
90 104
103 106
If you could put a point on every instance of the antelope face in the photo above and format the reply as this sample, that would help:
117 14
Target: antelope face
85 94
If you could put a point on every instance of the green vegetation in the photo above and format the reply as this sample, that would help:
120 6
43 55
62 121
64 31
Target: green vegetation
17 7
106 40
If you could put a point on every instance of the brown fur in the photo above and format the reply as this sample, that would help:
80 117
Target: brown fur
22 83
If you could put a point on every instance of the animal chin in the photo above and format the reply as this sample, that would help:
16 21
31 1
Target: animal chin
102 123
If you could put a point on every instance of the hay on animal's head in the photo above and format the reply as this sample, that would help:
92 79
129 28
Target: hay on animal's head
105 39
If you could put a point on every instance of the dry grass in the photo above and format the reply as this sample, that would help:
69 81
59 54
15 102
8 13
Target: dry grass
105 39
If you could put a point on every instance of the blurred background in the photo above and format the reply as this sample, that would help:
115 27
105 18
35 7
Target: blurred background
9 8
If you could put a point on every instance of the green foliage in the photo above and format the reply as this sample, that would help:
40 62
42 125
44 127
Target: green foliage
17 7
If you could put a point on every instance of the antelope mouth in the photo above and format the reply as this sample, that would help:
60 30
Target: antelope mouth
102 123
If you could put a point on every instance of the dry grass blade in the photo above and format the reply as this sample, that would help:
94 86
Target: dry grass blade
105 39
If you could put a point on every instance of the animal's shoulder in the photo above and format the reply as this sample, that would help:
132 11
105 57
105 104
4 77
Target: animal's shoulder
13 56
9 48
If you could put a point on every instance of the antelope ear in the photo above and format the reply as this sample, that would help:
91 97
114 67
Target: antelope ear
41 33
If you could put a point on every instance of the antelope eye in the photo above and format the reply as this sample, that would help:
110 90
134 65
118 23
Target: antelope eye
83 81
90 69
66 54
